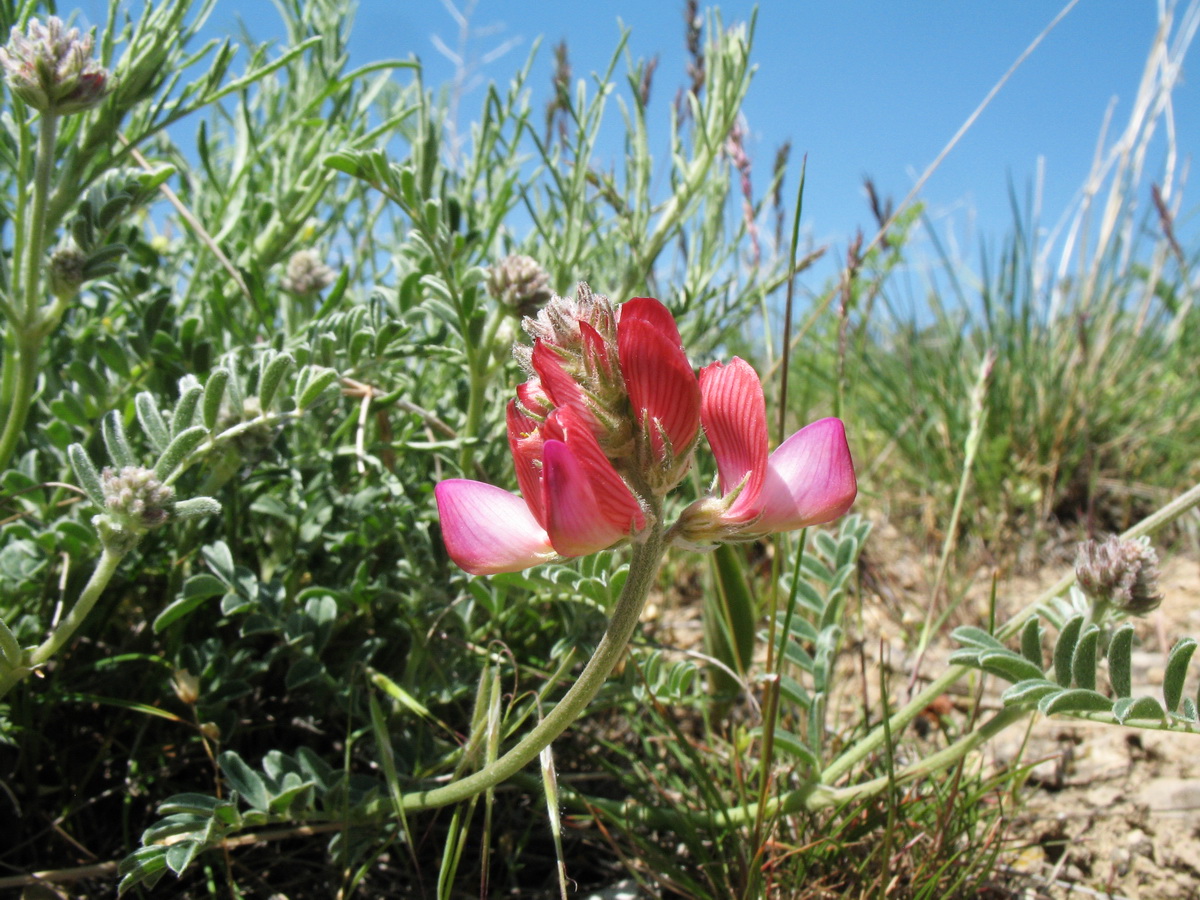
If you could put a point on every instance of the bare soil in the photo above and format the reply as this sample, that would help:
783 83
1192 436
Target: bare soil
1115 812
1105 811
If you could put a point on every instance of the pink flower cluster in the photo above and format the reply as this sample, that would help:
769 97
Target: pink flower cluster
608 422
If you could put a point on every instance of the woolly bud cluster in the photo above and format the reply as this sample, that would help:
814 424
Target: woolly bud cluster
1121 573
135 498
307 273
67 266
520 284
52 69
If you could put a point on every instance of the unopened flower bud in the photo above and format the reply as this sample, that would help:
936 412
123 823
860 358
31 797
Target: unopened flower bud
67 263
1121 573
211 730
135 498
52 69
307 273
520 284
187 686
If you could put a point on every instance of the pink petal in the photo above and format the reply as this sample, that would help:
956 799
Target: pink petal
487 530
810 479
662 386
525 441
615 502
735 419
572 511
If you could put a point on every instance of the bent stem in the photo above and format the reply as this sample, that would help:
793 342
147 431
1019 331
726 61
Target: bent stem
903 716
101 575
628 610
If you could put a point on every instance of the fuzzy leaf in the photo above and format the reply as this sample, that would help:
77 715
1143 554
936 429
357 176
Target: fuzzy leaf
180 855
214 393
1140 708
1028 691
801 628
1031 642
146 865
1009 665
183 444
1083 662
85 471
1177 665
847 553
967 656
152 421
244 780
195 508
320 378
1064 650
971 636
195 591
185 409
1189 711
272 374
1120 660
196 804
827 545
1074 700
794 691
112 429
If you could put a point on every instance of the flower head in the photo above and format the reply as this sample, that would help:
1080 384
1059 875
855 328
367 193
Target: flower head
608 423
135 497
1120 573
307 273
520 284
52 69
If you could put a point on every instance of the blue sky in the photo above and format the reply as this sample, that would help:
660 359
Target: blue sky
864 87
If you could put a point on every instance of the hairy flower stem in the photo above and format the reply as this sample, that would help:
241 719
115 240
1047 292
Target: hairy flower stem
27 326
625 615
819 794
903 716
101 575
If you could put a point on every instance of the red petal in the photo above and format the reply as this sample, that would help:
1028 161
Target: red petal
525 441
662 386
653 313
488 530
734 414
595 352
561 388
533 399
810 479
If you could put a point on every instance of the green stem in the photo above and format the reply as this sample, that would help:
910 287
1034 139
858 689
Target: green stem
23 365
903 716
101 575
628 610
813 798
36 241
22 351
475 388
